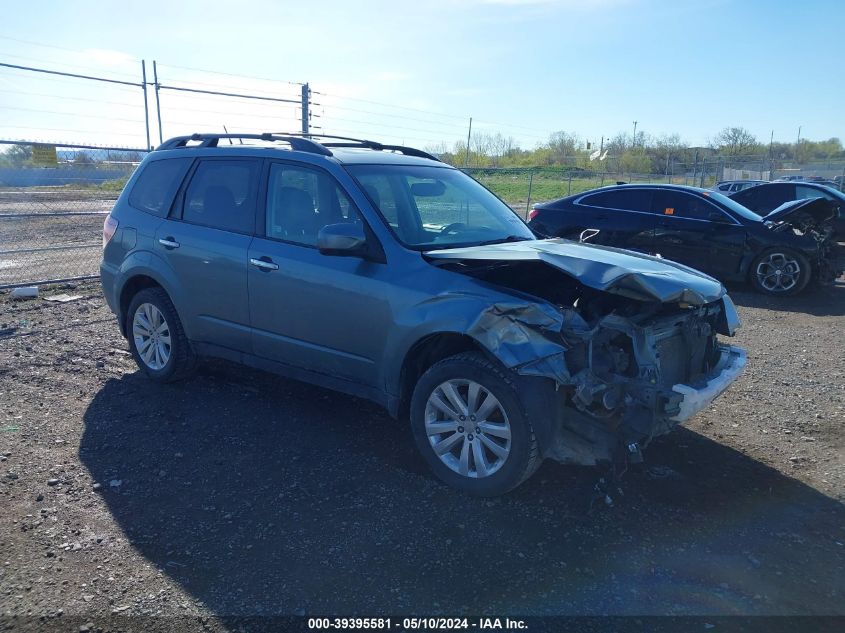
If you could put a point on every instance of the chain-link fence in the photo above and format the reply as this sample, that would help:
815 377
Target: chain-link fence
54 198
522 187
53 201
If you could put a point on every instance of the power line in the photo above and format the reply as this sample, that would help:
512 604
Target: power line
383 125
179 94
388 105
62 80
429 112
87 116
74 75
330 129
393 116
219 72
61 48
230 117
59 129
41 94
237 114
66 65
164 80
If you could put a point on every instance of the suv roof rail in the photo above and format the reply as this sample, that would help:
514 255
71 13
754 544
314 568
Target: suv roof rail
297 142
348 141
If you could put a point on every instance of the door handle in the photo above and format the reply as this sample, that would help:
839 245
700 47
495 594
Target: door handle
168 242
265 264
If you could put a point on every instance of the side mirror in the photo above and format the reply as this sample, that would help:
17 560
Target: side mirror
346 239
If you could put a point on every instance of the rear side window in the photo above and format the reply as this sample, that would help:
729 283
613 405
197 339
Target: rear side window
628 199
157 184
222 195
680 204
770 197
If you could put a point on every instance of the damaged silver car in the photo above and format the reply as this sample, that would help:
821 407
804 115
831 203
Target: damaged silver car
380 272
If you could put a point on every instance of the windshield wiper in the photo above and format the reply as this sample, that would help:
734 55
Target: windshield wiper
504 240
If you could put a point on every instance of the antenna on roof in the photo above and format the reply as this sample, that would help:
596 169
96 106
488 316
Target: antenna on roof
230 140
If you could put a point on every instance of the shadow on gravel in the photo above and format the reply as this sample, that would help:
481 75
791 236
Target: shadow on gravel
264 496
815 300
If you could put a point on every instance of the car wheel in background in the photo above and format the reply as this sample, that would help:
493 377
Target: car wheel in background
156 337
780 271
471 428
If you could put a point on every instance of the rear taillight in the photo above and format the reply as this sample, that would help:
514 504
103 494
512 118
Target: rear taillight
533 213
109 227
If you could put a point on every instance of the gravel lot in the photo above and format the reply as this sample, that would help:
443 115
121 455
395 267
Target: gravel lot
239 493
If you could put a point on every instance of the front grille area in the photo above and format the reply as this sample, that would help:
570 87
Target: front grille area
674 360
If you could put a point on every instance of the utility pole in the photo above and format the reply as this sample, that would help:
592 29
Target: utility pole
798 144
634 143
469 136
146 105
306 115
158 102
771 154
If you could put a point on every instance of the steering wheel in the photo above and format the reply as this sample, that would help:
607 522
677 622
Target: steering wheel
450 228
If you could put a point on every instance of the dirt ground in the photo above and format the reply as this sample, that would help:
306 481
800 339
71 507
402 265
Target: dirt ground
240 493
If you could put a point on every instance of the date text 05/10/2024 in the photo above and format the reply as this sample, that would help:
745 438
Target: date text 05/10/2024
416 624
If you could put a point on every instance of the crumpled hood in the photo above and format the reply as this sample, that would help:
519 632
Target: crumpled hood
819 209
612 270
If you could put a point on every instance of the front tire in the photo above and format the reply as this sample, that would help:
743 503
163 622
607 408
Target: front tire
156 337
470 426
780 272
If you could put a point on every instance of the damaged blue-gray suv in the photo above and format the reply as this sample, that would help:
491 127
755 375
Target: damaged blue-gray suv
378 271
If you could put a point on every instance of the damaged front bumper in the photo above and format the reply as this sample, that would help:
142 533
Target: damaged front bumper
617 381
727 370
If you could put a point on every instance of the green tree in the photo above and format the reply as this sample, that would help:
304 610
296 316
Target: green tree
735 141
17 155
635 162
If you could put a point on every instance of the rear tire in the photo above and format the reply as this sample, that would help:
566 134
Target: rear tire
156 337
484 455
780 272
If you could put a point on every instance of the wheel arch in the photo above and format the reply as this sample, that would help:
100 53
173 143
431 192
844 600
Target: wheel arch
424 353
130 288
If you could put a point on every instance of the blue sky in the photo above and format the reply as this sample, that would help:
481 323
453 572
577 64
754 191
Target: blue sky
416 71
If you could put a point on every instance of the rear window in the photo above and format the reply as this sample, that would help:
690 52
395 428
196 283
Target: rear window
160 179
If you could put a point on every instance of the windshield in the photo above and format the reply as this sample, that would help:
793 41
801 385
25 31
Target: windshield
438 207
734 206
833 193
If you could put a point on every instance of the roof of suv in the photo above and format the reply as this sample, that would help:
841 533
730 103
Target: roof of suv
343 149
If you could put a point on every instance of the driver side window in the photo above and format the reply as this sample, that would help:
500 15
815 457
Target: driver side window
301 201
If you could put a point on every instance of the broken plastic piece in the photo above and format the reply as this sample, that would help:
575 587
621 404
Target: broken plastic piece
25 292
62 298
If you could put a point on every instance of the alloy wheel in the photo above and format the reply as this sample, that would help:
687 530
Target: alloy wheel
778 272
467 428
151 334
